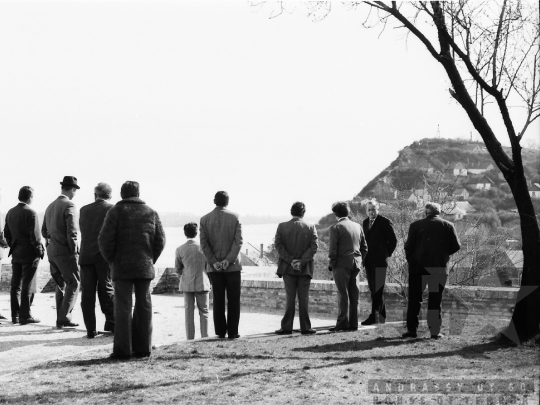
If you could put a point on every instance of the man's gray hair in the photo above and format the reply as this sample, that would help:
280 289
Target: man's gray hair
103 190
433 208
373 202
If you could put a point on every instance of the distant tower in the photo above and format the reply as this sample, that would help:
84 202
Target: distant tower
438 131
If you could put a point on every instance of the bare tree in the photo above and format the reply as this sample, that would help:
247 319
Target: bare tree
490 53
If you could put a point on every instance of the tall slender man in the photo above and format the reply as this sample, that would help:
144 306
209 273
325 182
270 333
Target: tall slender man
95 271
221 241
131 240
22 235
346 252
381 240
429 245
296 243
60 231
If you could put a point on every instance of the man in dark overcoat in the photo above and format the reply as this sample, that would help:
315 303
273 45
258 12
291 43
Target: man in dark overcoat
131 240
381 240
95 271
429 245
296 243
23 237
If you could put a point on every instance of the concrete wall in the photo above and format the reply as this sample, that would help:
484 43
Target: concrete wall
268 295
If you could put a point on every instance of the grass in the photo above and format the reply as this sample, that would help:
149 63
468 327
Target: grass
324 368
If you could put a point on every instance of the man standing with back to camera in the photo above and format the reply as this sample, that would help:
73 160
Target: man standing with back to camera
221 241
429 245
95 271
381 240
22 234
60 230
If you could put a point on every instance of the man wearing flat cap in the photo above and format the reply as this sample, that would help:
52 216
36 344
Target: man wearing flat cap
61 233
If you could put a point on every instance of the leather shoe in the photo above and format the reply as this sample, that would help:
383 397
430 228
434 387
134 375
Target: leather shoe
334 329
371 320
67 324
118 357
15 319
437 336
29 320
283 332
234 336
308 332
409 335
221 336
108 327
92 334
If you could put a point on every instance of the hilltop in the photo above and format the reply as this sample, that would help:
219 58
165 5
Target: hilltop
449 170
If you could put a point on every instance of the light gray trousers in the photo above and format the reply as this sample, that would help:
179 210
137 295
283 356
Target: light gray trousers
203 301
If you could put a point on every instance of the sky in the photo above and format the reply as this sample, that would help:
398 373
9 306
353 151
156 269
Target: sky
192 97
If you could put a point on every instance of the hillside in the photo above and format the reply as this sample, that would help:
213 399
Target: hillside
457 173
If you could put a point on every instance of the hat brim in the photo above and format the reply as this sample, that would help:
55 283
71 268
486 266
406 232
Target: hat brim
69 185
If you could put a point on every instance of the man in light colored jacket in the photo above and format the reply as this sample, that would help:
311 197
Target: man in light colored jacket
221 241
60 231
190 264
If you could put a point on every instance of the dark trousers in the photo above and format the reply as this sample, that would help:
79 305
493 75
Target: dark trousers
97 276
345 280
133 331
229 284
376 278
417 285
65 272
294 285
23 288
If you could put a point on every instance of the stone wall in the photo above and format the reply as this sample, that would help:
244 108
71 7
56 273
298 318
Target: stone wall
268 295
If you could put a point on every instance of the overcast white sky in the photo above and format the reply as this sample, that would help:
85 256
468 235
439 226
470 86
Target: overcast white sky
191 97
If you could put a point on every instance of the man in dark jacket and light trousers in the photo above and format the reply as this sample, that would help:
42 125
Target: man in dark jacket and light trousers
381 240
60 231
347 249
429 245
296 243
22 234
221 241
95 271
131 241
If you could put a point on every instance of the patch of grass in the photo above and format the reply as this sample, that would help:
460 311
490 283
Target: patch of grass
323 368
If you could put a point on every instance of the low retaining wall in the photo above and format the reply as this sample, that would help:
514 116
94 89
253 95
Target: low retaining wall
268 295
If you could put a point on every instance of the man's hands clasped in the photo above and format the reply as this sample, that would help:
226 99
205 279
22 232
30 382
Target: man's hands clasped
219 266
296 265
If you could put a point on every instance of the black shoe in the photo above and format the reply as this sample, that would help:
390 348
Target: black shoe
15 319
141 355
308 332
119 357
108 327
29 320
353 329
2 316
334 329
92 334
283 332
234 336
409 335
67 324
371 320
221 336
437 336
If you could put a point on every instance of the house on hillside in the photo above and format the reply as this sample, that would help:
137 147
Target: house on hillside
420 197
457 210
479 167
480 183
474 148
459 169
534 191
461 194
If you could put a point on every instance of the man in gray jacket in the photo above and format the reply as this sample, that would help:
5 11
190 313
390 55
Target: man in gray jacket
221 241
296 243
60 231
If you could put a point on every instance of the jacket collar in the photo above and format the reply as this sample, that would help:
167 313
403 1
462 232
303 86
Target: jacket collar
131 200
